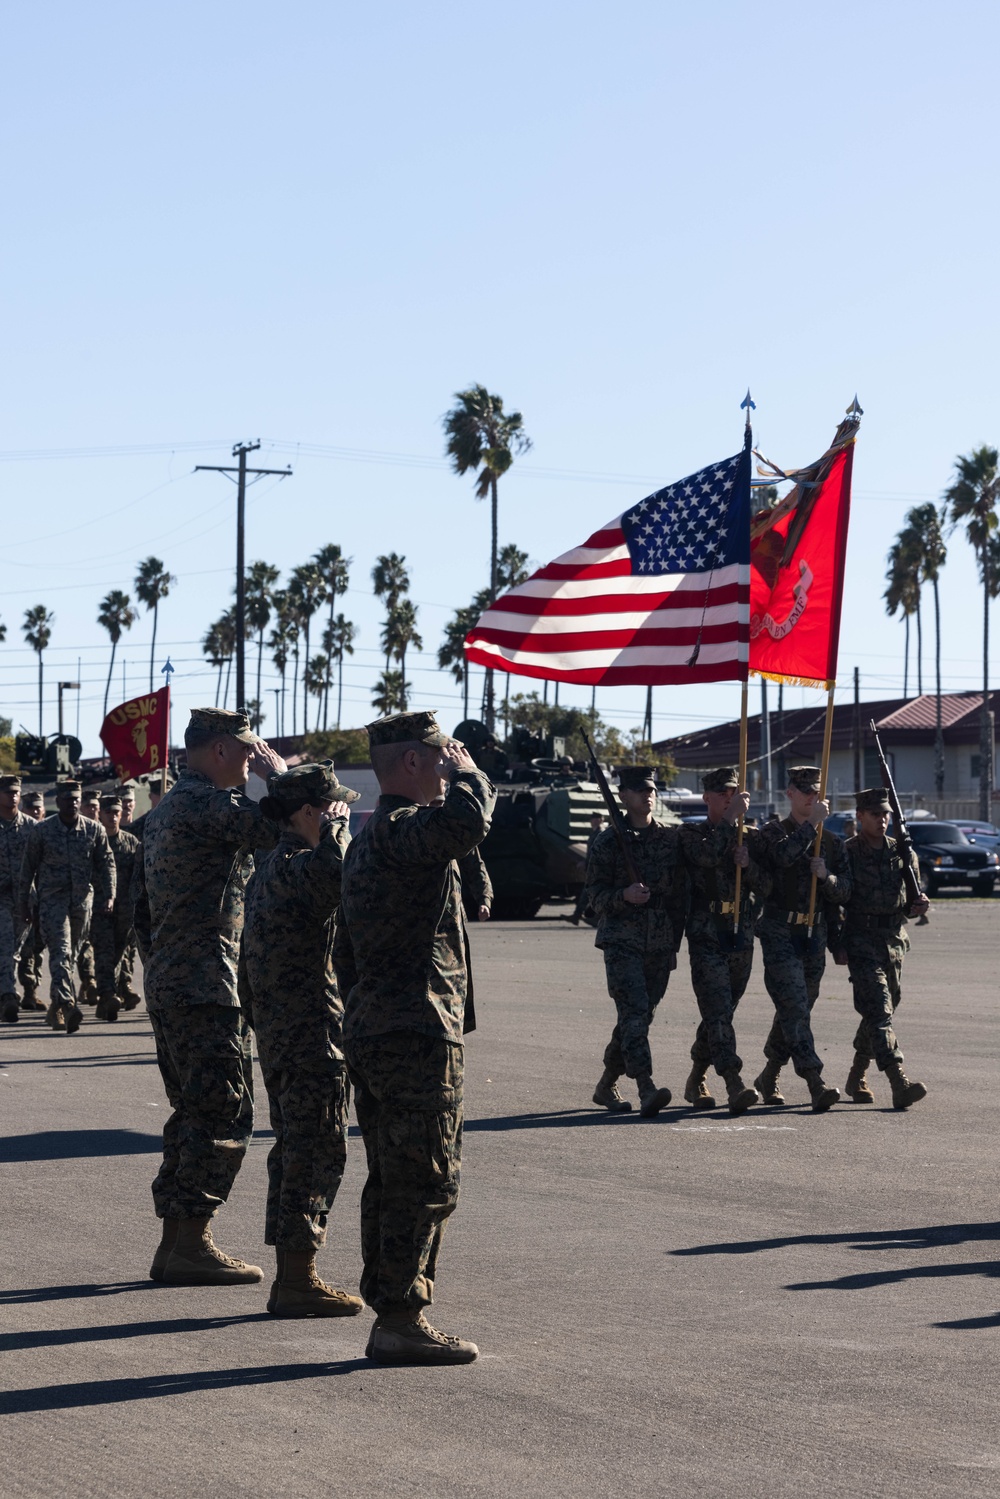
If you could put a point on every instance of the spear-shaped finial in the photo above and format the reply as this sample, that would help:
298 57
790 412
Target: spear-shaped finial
748 404
854 411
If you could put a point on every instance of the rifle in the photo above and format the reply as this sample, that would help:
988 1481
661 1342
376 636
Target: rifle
913 890
615 814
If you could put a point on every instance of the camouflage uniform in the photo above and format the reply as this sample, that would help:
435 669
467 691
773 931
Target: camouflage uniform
639 942
190 876
720 967
13 930
477 887
401 954
298 1020
794 965
875 943
68 867
111 935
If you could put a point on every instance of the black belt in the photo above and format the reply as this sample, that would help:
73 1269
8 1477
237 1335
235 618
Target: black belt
716 907
786 917
886 921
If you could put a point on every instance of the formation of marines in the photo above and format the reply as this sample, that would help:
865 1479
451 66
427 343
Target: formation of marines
800 890
348 961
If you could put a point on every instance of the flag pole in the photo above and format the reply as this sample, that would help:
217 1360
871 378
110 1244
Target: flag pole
747 405
823 773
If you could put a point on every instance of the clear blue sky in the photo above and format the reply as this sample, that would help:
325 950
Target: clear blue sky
313 223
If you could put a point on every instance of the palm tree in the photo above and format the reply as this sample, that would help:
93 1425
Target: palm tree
226 626
902 593
37 629
152 583
390 581
333 567
972 497
213 646
512 568
307 591
481 435
338 638
451 651
278 643
117 616
317 675
390 692
399 633
924 523
258 594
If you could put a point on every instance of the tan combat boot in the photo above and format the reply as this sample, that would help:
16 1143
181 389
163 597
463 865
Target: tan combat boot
129 998
856 1087
299 1292
88 992
741 1097
54 1016
696 1089
903 1091
196 1261
408 1338
167 1241
651 1098
767 1085
31 1000
73 1018
608 1095
823 1098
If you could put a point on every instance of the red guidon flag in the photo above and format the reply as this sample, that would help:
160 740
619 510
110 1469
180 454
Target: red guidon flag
797 553
135 734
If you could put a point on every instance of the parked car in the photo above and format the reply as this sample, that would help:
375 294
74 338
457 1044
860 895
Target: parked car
947 857
982 834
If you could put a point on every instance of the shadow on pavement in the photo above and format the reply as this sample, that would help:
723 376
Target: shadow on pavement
870 1278
565 1119
74 1144
964 1324
15 1342
936 1236
72 1292
153 1386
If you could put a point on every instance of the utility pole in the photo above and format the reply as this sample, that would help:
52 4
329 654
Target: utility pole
857 731
240 451
64 687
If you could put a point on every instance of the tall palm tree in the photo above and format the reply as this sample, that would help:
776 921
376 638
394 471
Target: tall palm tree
258 593
390 581
214 648
37 629
338 640
117 616
278 643
390 693
972 499
307 591
334 569
152 583
479 434
316 675
226 626
924 522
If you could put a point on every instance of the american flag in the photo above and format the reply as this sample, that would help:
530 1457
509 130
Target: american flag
659 595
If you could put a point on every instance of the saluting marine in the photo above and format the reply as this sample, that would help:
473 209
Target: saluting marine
720 948
298 1019
640 926
14 829
794 963
401 953
873 944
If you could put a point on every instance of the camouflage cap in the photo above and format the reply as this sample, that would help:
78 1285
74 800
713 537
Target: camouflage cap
403 728
10 783
804 777
223 721
34 798
722 779
317 782
874 799
636 777
154 780
127 792
67 786
111 803
91 794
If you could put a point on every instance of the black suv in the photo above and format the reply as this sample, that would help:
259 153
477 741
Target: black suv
948 858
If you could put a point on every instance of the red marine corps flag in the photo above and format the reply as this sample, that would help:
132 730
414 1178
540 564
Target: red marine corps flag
797 553
135 734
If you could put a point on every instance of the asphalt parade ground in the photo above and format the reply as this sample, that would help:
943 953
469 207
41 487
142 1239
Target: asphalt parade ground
784 1304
